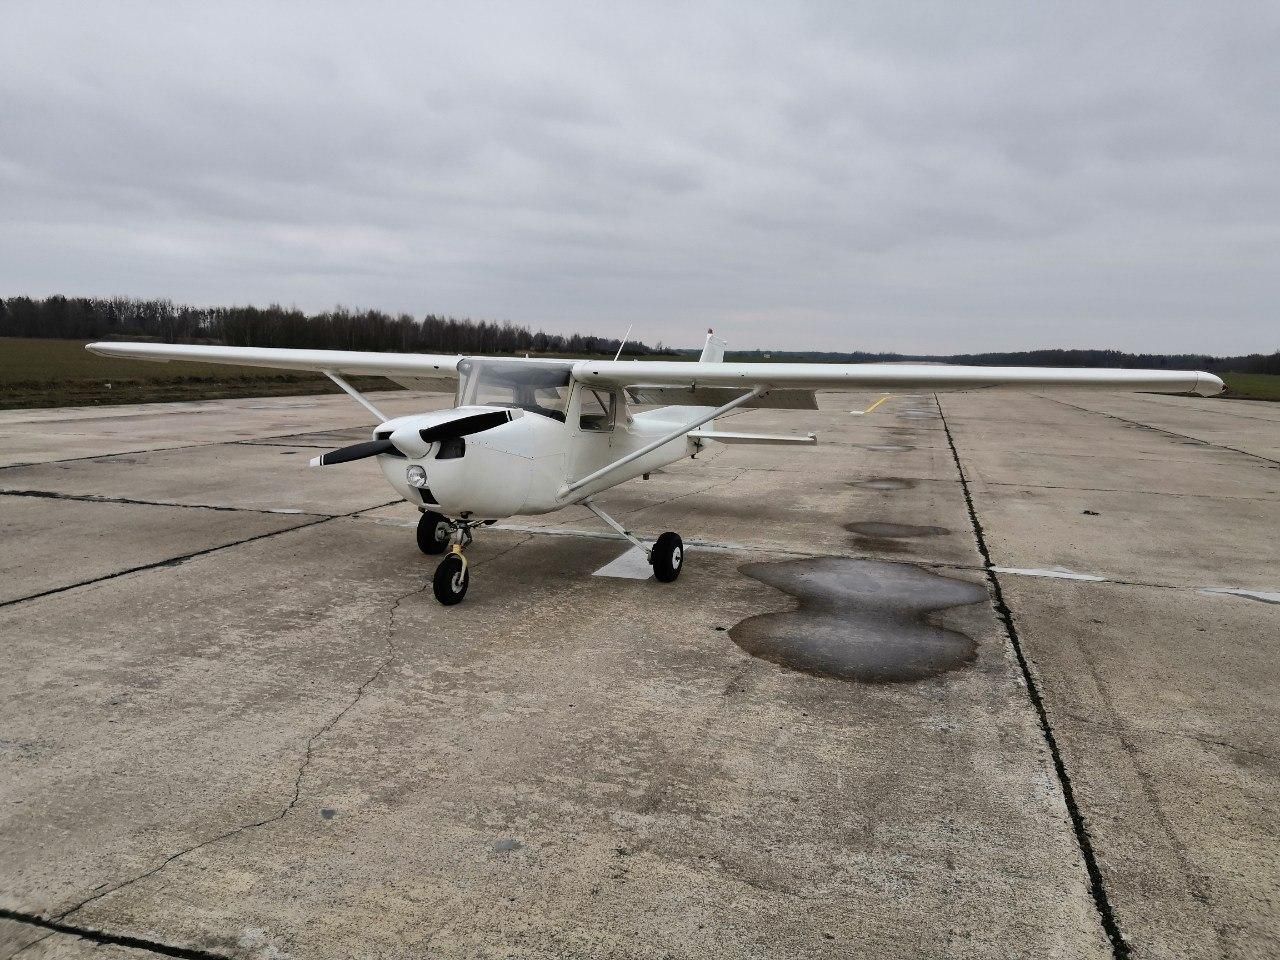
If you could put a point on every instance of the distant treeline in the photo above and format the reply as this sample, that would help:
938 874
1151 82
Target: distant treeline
92 318
1252 363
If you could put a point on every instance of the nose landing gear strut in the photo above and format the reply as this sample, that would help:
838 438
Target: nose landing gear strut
452 576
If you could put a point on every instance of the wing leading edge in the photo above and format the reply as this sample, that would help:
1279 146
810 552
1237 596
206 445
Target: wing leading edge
888 377
408 365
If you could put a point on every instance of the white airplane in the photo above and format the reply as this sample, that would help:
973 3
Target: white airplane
530 436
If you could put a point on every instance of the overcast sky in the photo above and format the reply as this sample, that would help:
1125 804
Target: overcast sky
916 177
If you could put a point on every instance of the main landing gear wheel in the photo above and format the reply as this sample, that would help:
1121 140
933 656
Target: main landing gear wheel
451 580
667 557
434 530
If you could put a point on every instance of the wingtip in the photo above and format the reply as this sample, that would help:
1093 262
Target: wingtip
1207 385
316 461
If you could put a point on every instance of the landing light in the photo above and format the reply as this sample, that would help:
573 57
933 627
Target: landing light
416 476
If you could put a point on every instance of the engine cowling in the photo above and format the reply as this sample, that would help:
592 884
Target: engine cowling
470 461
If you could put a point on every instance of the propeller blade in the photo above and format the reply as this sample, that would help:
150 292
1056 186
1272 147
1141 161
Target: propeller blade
357 451
465 426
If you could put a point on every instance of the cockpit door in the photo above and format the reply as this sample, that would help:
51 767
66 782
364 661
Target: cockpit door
593 413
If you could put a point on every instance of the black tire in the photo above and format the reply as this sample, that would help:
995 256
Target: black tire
433 532
451 580
667 557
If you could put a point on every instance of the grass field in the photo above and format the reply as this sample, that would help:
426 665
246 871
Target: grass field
61 373
1252 386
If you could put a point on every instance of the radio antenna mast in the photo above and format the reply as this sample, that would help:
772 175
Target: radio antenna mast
624 342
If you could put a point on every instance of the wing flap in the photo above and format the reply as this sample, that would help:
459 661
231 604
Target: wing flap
699 396
427 384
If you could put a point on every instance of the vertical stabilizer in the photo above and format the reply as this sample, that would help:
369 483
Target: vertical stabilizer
712 352
713 349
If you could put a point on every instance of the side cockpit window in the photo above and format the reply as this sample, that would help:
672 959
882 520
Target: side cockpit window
599 409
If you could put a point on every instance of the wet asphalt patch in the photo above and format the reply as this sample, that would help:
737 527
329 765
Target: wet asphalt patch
893 531
859 620
885 483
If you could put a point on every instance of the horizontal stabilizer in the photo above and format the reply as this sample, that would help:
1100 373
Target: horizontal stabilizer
726 437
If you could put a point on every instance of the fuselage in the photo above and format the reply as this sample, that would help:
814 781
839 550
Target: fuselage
559 431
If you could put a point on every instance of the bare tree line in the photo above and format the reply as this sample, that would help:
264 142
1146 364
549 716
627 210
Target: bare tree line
91 318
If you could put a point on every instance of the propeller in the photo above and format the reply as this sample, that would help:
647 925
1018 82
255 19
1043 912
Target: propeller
414 442
357 451
465 426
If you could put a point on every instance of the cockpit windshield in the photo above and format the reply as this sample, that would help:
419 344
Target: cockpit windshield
538 386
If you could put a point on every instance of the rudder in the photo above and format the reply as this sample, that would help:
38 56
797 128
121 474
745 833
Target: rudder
713 349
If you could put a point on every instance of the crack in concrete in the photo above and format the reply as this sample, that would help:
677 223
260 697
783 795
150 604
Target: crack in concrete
106 456
1178 734
287 446
177 561
184 446
1217 410
105 938
501 553
299 777
1119 946
1272 464
170 562
1145 493
94 498
34 943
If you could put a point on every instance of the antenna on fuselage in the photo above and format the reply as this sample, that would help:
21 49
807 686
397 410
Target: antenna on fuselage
623 343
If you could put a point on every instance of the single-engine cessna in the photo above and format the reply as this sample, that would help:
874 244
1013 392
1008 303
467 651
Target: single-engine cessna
530 436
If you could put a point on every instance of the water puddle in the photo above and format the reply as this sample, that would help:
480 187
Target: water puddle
885 483
893 531
859 620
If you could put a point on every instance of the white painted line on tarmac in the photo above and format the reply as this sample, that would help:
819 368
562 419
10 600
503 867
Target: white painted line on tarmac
1057 573
1266 596
632 565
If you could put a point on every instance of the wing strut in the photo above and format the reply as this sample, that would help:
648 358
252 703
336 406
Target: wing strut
357 396
665 438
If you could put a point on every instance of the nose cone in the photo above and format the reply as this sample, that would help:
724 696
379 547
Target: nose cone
1207 385
408 440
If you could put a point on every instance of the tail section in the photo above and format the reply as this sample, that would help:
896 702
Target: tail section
713 349
712 352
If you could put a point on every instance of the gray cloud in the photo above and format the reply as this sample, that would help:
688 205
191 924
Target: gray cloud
925 177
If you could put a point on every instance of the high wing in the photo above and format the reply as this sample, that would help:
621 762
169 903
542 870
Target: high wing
639 375
423 370
659 377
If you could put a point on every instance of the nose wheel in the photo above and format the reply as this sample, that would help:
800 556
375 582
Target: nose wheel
452 577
